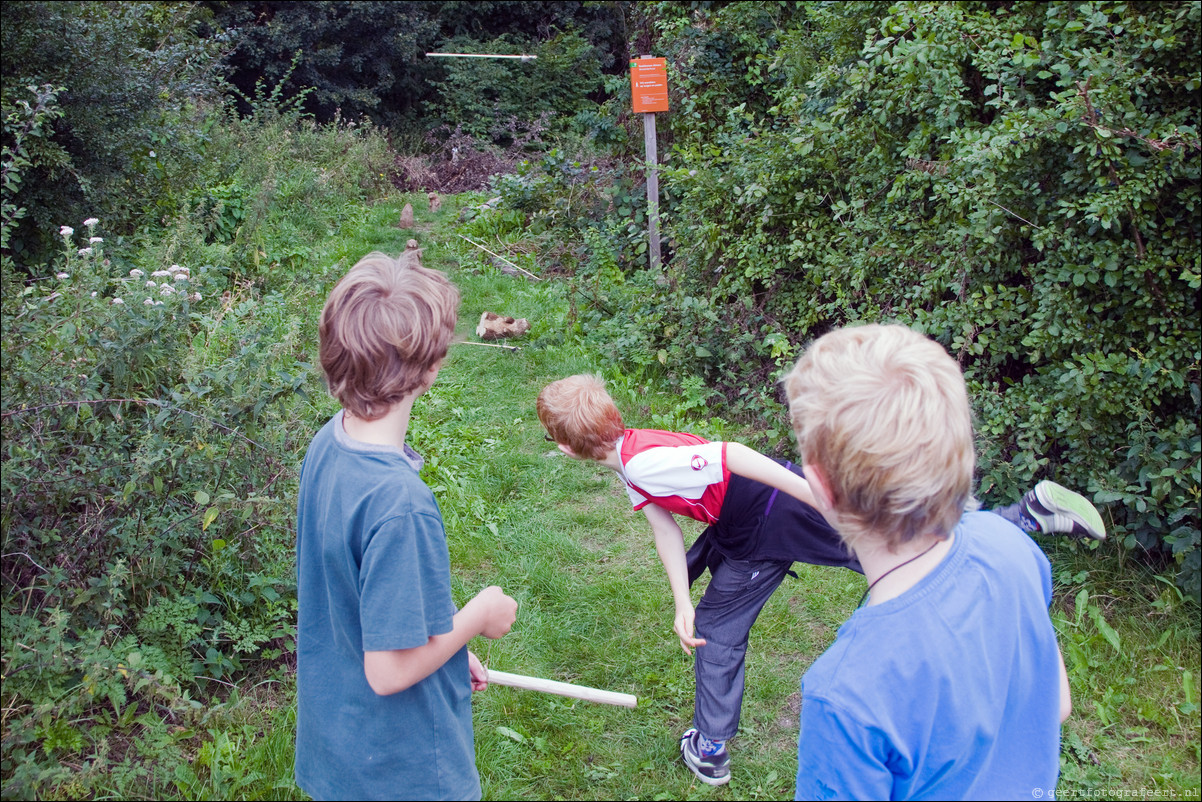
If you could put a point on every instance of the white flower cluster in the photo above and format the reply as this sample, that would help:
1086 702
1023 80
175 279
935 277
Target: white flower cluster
177 273
67 232
172 281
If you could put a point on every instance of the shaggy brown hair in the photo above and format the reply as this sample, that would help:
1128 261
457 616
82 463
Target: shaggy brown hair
384 326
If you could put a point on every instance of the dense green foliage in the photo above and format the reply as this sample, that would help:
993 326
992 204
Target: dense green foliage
368 59
357 59
1019 180
150 445
129 76
556 85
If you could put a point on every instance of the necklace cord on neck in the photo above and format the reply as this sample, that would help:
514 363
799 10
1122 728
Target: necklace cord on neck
874 582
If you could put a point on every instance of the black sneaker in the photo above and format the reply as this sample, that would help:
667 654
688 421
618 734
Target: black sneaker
1058 509
711 769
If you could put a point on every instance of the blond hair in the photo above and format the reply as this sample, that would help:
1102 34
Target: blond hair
884 411
577 412
384 326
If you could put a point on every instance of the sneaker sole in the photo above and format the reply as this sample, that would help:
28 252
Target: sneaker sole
723 780
1070 511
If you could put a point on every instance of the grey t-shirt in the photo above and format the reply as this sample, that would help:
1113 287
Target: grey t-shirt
373 574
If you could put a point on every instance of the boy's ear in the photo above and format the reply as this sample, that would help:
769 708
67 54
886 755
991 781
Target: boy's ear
816 476
566 449
431 375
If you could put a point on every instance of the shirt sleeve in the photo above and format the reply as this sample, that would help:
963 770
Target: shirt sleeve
405 584
684 471
637 499
838 757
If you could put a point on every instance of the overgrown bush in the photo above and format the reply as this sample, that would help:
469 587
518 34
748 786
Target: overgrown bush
155 409
1020 181
146 474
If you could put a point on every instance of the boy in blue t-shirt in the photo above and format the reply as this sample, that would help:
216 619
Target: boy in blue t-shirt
948 683
384 677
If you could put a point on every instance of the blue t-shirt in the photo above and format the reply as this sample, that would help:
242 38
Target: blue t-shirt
373 574
949 691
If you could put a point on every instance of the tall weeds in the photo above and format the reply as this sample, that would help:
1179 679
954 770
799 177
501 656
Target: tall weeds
151 439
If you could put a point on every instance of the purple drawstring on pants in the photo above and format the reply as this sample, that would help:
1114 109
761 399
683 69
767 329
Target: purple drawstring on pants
772 498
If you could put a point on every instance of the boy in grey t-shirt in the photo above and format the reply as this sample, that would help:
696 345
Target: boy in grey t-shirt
384 677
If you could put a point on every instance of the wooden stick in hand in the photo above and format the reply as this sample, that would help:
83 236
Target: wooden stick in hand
561 688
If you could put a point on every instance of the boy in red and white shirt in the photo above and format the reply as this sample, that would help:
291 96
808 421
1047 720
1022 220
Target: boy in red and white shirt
755 533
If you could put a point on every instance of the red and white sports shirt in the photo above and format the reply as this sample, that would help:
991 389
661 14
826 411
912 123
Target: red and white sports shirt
680 472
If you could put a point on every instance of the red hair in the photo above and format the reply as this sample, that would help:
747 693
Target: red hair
577 412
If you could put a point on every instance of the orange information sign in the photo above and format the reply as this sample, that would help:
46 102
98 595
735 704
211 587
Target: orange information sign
649 85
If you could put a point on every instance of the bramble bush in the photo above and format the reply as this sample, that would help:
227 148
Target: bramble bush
1019 181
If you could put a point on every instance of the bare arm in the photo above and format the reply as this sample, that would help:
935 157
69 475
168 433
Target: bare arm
752 464
1066 697
491 613
669 544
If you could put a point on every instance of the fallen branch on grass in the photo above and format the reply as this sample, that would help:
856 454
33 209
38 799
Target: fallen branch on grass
499 256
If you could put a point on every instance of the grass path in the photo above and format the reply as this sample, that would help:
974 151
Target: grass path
559 535
594 606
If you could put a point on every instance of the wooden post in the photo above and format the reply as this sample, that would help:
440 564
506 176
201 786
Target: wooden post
652 189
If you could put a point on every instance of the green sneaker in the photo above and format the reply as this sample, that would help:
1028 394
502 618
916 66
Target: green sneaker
1058 509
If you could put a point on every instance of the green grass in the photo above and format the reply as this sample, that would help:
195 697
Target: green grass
1130 643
